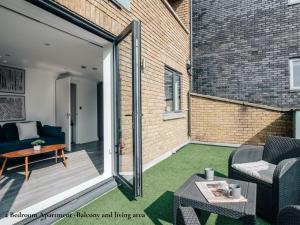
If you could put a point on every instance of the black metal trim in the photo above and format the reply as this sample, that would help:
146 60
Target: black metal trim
116 3
137 108
294 57
49 25
174 74
62 12
134 29
172 70
122 180
191 69
117 105
128 30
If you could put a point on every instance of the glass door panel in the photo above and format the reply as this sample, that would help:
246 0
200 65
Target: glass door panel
128 108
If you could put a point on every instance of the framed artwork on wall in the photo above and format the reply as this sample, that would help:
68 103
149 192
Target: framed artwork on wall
12 108
12 80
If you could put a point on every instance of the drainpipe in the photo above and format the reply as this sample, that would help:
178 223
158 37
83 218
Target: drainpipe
190 71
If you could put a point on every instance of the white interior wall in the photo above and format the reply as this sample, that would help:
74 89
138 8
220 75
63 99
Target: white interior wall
40 102
40 95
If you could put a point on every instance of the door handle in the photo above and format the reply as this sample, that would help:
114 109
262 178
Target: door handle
131 115
121 147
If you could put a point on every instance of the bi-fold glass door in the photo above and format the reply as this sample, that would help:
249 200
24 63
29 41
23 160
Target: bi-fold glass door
128 129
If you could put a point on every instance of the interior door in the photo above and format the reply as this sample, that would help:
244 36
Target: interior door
63 107
128 132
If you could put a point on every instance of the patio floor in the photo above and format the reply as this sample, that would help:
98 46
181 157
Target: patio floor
47 179
160 182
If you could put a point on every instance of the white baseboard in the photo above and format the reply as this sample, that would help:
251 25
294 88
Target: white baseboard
164 156
216 144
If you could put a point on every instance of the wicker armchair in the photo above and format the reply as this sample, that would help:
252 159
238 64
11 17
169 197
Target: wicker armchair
187 216
283 186
289 215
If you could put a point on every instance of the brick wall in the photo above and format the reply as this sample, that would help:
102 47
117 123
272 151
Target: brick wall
164 42
181 7
241 50
224 121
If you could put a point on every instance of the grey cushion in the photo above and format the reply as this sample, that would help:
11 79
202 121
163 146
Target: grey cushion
261 170
280 148
27 130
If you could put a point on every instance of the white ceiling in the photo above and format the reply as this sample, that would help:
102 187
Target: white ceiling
23 43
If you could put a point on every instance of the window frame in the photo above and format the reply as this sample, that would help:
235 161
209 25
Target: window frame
291 69
175 74
120 5
294 2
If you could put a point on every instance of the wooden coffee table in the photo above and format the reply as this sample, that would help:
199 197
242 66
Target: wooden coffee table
30 152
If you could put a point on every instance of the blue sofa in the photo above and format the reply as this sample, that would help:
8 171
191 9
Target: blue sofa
9 137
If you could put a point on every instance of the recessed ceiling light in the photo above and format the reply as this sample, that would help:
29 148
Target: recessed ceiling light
47 44
94 68
83 67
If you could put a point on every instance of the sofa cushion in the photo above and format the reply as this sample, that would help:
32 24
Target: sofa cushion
2 136
52 140
24 144
51 131
261 170
27 130
279 148
10 131
12 146
39 127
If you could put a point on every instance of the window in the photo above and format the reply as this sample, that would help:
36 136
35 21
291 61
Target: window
122 3
292 2
172 90
295 74
175 4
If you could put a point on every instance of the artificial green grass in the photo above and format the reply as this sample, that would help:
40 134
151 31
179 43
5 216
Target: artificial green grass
159 184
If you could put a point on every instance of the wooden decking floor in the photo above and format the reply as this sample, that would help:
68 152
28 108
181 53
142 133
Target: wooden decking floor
47 179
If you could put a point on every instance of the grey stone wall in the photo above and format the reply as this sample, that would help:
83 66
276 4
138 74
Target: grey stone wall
241 49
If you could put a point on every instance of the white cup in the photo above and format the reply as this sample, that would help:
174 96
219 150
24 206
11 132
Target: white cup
209 173
234 191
